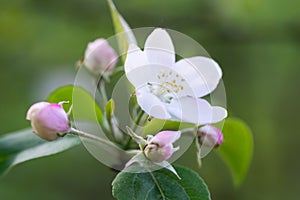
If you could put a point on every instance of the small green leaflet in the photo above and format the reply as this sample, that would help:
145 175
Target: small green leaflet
237 148
125 36
109 109
85 106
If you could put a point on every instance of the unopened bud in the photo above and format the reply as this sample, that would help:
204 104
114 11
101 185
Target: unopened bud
48 120
210 136
100 56
160 147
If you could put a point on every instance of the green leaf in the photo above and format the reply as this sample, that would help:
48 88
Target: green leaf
126 36
85 107
237 148
63 93
21 146
161 184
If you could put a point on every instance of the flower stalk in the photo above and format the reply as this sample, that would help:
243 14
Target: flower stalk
91 137
135 125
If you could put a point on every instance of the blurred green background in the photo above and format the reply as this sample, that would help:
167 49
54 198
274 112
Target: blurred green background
256 42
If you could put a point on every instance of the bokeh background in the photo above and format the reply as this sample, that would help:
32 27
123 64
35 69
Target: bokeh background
256 42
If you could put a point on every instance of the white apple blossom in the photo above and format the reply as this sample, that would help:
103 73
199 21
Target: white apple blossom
166 89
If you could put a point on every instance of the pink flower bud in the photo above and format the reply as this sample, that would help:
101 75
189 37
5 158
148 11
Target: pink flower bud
100 56
47 120
210 136
160 147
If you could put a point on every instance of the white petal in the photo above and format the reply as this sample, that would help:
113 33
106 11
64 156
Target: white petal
197 111
137 69
159 48
152 105
201 73
219 113
135 58
141 76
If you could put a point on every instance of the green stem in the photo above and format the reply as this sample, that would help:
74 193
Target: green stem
102 97
92 137
103 101
103 90
111 129
135 125
138 120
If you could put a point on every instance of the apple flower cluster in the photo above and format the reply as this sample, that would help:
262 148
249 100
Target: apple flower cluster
164 88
